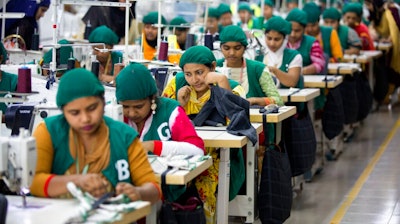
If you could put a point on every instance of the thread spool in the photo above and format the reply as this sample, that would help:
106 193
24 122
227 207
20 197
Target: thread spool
58 55
95 68
24 80
190 41
163 53
88 30
208 41
70 64
118 67
35 41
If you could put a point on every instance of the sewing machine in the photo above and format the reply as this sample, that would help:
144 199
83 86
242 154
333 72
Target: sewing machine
29 115
18 161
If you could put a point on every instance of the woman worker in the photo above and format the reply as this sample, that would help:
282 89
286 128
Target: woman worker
106 57
284 63
162 124
192 89
83 146
258 83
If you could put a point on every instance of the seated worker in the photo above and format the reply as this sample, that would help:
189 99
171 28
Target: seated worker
162 124
349 40
258 83
179 32
103 34
246 16
327 36
212 25
150 34
307 46
192 90
8 81
282 62
267 14
66 52
225 14
352 17
385 20
26 26
83 146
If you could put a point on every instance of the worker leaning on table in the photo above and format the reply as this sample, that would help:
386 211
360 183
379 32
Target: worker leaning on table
83 146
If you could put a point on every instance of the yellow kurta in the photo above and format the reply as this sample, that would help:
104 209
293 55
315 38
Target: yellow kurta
388 28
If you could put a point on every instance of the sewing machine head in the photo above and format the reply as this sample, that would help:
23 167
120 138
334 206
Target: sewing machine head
18 161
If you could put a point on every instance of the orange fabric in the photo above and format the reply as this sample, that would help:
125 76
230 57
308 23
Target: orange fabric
336 48
148 51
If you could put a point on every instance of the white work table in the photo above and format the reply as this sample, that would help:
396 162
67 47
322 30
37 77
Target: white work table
57 211
319 81
218 137
365 58
300 95
181 177
343 68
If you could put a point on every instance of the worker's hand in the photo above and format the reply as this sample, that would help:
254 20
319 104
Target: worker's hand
184 95
93 183
148 146
215 78
128 190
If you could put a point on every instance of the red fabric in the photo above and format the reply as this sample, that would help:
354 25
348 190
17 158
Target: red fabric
180 133
363 33
157 148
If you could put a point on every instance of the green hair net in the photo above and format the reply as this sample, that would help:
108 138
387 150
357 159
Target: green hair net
152 18
77 83
178 21
297 15
213 13
224 8
197 55
135 82
3 53
65 53
276 23
353 7
233 33
331 13
103 34
269 3
245 6
313 12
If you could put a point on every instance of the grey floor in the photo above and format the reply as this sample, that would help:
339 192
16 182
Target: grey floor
378 199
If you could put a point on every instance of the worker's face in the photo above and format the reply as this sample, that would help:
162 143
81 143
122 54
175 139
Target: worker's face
40 12
195 75
351 19
102 56
233 52
137 110
292 5
297 32
226 19
268 10
244 16
274 40
84 114
332 23
181 35
150 32
312 29
212 25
